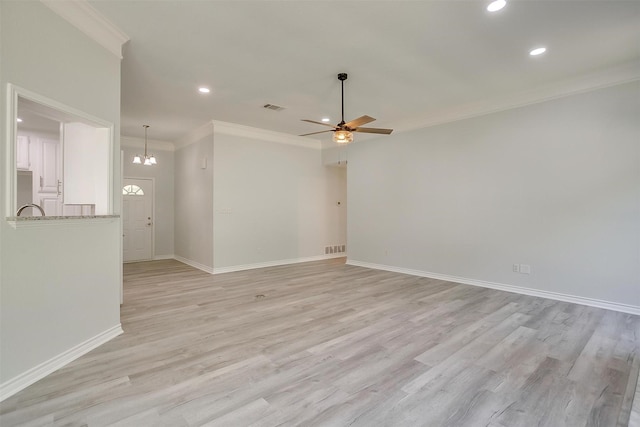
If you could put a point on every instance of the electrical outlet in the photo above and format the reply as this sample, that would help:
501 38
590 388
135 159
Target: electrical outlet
516 268
525 269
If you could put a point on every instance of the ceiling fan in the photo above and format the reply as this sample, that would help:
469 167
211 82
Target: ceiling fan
342 132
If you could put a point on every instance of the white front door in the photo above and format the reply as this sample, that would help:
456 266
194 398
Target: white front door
137 219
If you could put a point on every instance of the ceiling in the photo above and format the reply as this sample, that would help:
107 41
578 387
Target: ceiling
407 60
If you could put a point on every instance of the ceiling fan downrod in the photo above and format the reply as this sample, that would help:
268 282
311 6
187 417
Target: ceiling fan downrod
342 77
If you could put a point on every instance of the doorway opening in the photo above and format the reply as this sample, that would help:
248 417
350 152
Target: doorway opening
60 161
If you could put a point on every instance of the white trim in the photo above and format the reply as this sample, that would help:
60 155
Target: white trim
613 76
87 19
624 308
13 93
625 73
152 144
162 257
120 240
265 135
195 135
194 264
235 129
24 380
11 136
243 267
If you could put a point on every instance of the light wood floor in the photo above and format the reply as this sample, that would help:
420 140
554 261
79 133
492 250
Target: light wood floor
328 344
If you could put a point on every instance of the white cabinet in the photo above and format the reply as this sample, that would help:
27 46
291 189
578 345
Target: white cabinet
41 155
22 153
83 157
49 166
47 171
51 205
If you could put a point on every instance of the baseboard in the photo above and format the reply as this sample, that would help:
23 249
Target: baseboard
624 308
155 258
194 264
161 257
24 380
233 268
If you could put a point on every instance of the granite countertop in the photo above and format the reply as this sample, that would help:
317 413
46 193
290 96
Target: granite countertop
48 218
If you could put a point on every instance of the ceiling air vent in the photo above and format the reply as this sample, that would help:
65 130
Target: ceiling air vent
273 107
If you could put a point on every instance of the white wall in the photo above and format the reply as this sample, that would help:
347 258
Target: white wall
162 173
273 199
59 285
194 203
555 185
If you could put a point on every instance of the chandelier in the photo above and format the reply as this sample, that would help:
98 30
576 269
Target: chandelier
147 160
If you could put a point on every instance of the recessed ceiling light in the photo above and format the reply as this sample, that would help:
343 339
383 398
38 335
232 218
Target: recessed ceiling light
326 119
496 5
19 120
204 89
538 51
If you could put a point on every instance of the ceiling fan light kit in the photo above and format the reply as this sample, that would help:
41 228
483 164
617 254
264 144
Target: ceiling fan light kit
343 132
342 137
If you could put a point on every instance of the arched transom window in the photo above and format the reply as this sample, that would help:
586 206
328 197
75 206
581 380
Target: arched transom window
132 190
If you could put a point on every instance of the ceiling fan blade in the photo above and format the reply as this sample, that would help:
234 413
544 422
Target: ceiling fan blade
318 123
313 133
374 130
359 121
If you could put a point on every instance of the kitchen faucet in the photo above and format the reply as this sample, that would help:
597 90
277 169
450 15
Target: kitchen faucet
30 205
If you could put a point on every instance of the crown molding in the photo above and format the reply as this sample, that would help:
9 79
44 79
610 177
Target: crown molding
87 19
156 144
624 73
264 135
195 135
235 129
621 74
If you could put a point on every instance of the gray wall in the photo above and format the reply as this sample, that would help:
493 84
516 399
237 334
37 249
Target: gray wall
555 185
163 174
273 201
59 284
194 203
